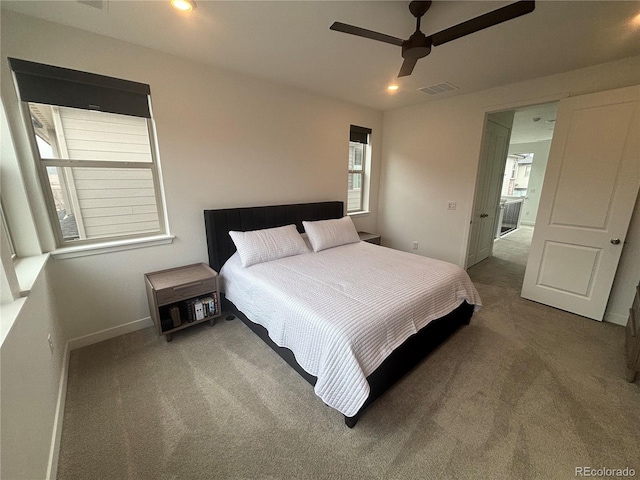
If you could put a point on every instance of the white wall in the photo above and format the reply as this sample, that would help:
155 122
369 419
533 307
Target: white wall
29 384
540 152
225 140
430 156
627 275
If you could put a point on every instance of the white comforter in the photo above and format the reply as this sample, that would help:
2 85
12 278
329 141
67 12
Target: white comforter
343 310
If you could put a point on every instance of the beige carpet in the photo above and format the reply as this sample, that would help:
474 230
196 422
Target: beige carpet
524 392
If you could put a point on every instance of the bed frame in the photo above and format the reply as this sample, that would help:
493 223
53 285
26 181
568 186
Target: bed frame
218 223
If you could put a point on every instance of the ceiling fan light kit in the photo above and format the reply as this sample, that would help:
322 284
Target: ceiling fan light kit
418 45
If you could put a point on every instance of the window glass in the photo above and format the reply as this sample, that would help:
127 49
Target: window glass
99 170
85 135
356 172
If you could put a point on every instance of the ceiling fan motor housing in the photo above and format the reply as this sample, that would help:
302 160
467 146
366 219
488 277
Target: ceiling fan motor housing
417 46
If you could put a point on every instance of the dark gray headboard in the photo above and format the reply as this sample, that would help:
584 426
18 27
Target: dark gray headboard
218 223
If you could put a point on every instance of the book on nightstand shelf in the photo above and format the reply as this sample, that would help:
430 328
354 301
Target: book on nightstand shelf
175 316
191 313
198 310
209 306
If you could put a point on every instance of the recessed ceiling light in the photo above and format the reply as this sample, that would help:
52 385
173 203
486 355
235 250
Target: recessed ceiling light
393 88
183 5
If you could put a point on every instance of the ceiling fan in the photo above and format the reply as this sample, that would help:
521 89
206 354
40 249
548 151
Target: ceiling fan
419 45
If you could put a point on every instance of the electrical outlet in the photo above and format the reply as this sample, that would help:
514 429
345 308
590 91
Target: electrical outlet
451 205
415 245
50 340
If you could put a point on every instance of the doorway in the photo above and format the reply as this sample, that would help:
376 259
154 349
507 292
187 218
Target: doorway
519 183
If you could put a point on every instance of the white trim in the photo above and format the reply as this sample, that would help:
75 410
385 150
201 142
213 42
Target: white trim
56 434
556 97
27 270
359 213
111 246
616 318
108 333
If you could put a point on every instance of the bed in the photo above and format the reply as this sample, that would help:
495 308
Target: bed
352 314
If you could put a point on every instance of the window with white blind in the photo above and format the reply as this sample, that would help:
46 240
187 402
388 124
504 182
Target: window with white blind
357 181
94 140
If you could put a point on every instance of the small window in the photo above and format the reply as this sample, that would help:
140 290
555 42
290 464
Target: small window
358 154
94 139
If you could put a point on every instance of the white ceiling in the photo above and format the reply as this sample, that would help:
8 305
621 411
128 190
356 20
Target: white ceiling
289 42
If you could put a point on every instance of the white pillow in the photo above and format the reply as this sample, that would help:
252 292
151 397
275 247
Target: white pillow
325 234
259 246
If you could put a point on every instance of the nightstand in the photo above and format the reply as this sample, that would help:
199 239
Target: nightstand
370 237
181 297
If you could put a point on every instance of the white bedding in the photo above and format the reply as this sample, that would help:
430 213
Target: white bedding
343 310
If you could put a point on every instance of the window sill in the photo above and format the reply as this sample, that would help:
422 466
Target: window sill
27 270
109 247
359 214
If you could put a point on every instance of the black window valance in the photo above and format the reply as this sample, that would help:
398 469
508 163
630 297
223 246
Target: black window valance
40 83
359 134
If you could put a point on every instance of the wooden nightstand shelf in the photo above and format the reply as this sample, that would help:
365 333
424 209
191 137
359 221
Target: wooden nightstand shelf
181 297
370 237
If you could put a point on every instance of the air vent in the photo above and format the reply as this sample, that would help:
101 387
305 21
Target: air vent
99 4
439 88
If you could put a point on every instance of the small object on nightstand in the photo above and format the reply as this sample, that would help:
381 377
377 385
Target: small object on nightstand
181 297
370 237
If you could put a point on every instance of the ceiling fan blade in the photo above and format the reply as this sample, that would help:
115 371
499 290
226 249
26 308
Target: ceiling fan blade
407 67
484 21
363 32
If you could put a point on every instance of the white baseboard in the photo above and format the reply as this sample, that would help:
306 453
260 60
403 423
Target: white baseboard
54 452
616 318
108 333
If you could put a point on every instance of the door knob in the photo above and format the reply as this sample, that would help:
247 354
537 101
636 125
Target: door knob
615 241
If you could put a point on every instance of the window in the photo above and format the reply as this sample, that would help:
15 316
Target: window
358 154
95 152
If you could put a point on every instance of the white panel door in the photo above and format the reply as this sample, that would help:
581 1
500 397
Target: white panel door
495 147
589 193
